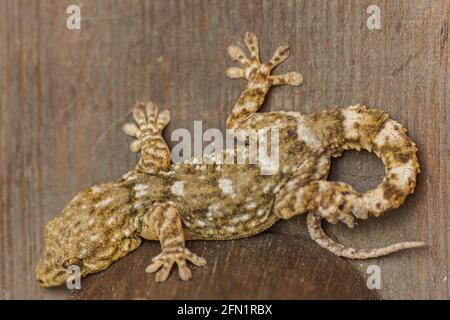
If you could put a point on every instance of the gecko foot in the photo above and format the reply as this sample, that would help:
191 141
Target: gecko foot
150 122
148 133
166 259
255 71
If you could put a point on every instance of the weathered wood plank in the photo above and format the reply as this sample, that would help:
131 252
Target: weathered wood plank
267 266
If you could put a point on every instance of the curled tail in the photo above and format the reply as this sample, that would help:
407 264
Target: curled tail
316 232
331 132
374 131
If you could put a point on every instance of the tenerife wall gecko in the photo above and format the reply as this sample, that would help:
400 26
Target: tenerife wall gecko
160 200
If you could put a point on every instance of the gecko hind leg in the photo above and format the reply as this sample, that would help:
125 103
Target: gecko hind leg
155 153
165 221
258 75
333 201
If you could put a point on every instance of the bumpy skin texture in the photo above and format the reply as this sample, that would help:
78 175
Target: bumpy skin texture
172 203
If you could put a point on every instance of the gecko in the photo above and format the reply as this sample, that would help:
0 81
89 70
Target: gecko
177 202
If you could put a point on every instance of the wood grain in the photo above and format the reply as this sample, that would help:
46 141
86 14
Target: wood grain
267 266
64 95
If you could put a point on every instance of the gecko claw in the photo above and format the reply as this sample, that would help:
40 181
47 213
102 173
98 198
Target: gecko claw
150 123
166 259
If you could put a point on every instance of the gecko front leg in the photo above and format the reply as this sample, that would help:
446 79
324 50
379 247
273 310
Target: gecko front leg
164 220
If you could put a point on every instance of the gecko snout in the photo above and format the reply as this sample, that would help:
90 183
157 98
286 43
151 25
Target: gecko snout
49 272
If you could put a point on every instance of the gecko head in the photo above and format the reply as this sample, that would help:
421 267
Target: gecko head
86 238
60 257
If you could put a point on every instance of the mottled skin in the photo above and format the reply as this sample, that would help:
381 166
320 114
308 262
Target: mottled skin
159 200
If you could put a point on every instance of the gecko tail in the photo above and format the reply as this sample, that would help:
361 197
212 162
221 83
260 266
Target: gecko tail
314 223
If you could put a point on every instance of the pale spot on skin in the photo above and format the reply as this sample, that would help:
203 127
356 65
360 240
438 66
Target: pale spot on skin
277 188
95 237
250 205
200 223
286 169
256 85
136 223
260 212
212 211
187 223
242 218
137 205
127 175
104 202
304 133
252 223
140 187
291 184
96 189
126 244
267 188
141 193
111 220
226 185
168 173
231 229
126 232
178 188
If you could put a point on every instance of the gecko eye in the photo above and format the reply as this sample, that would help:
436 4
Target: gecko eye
73 261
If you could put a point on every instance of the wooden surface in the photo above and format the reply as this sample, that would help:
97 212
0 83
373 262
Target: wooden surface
64 96
268 266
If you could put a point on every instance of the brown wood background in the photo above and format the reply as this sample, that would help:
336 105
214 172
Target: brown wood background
65 94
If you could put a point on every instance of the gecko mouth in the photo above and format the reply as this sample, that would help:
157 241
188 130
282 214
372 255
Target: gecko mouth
52 281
